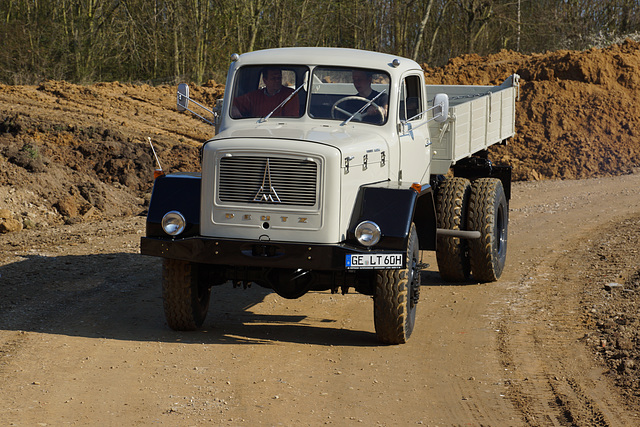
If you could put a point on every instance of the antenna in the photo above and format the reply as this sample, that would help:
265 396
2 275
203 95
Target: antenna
158 171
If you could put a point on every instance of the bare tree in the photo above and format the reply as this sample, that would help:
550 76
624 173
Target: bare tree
423 24
169 40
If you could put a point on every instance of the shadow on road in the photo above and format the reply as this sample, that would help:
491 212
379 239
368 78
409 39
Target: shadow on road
432 278
118 296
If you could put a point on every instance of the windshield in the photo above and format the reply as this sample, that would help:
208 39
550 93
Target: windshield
349 94
262 91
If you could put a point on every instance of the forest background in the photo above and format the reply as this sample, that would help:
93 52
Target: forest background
166 41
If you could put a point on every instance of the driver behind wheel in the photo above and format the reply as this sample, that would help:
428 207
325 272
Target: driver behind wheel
362 81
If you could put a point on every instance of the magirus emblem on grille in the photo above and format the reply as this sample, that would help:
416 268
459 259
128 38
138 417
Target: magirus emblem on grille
267 193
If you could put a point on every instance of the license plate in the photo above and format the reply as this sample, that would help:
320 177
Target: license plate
374 261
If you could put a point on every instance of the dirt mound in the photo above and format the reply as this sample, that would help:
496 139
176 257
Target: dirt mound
578 114
70 153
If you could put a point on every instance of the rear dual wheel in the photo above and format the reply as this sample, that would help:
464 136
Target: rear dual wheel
480 206
452 253
489 214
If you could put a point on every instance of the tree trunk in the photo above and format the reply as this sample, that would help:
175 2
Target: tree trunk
423 24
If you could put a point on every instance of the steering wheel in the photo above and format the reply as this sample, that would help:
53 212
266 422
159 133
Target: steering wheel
360 116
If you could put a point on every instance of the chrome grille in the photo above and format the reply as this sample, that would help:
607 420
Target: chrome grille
277 180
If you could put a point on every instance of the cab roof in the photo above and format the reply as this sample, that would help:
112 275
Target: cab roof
328 56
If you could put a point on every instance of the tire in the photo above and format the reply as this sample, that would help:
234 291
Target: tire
396 295
489 214
452 253
186 300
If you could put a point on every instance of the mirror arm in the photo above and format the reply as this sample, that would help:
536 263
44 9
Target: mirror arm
442 114
184 100
213 113
202 118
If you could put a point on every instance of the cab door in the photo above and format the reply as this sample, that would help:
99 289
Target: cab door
413 133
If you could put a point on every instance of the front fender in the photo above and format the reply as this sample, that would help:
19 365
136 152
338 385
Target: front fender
175 192
394 208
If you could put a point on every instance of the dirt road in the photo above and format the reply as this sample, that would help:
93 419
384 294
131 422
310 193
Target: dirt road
83 338
555 342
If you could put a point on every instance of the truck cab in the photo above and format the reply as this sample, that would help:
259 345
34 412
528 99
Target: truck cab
321 177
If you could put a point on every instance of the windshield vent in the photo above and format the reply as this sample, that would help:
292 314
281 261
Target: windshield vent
268 180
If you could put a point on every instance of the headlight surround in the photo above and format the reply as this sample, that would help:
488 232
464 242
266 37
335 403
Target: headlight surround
173 223
368 233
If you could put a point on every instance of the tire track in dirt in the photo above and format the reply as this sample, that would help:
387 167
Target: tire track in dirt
554 379
502 353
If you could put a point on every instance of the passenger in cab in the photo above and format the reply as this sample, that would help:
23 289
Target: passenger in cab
263 101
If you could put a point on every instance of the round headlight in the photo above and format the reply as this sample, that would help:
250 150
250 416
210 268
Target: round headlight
173 223
368 233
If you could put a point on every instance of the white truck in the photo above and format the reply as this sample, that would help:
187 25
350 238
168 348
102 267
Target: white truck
331 169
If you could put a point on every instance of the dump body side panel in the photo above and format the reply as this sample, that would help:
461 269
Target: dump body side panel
479 116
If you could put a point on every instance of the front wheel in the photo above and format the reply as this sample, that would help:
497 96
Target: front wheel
186 298
396 295
489 214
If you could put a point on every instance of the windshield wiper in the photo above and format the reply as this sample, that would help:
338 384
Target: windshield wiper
283 103
363 108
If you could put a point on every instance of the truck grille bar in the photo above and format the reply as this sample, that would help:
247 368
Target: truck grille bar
268 180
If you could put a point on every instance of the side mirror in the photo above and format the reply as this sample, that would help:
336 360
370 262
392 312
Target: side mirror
183 97
184 101
441 114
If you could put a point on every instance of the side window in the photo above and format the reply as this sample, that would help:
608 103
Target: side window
411 99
